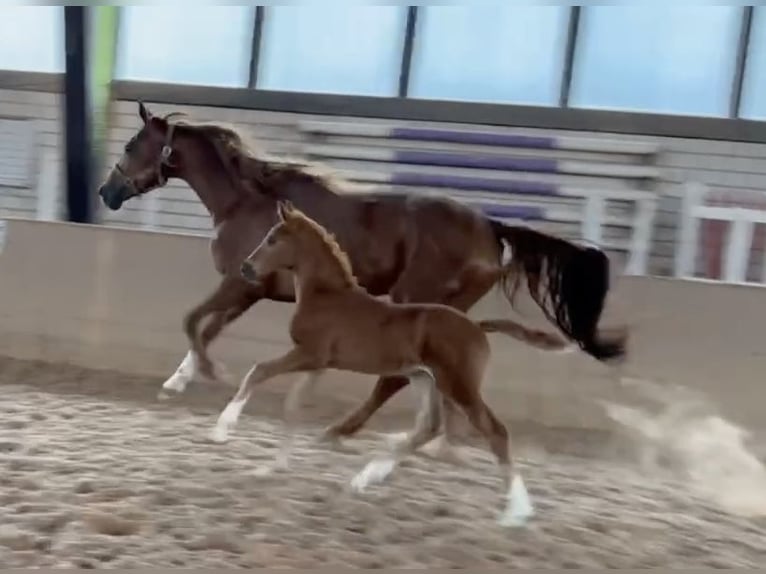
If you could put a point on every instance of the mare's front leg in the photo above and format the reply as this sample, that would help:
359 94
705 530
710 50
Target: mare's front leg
231 298
293 361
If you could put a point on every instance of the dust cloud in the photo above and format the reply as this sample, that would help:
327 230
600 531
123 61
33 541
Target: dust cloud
683 433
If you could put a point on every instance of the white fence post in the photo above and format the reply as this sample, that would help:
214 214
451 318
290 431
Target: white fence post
641 241
738 244
150 213
47 188
593 218
686 242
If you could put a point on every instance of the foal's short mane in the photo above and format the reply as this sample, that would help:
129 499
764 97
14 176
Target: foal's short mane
298 220
245 161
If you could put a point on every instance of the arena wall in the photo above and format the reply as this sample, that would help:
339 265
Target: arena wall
113 298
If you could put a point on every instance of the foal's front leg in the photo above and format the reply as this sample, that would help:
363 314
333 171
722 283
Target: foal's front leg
292 417
293 361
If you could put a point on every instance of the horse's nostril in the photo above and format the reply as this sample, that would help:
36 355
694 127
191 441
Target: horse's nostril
247 271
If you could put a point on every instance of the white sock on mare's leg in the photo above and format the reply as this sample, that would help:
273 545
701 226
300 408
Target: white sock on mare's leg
184 374
519 504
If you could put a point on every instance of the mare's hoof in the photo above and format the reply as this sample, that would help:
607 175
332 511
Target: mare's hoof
513 521
218 435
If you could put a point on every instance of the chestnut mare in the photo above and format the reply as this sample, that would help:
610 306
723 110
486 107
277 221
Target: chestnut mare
338 325
413 248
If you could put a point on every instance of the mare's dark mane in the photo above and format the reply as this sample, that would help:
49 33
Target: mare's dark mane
260 173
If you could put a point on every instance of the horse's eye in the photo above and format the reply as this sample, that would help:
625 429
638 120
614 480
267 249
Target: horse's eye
271 240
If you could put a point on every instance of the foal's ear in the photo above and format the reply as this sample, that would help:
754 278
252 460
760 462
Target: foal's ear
283 210
144 112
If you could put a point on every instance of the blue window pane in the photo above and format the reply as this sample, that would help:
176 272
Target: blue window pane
753 103
207 45
32 38
669 59
335 49
511 53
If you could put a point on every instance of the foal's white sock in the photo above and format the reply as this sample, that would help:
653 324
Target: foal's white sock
519 506
226 420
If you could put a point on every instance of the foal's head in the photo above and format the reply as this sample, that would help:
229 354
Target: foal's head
145 164
298 242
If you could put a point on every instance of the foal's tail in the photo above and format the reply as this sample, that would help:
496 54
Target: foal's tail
534 337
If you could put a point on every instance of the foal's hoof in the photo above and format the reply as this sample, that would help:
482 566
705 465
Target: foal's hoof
375 472
509 520
218 435
167 394
395 439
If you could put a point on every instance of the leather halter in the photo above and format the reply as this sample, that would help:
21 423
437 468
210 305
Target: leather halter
162 161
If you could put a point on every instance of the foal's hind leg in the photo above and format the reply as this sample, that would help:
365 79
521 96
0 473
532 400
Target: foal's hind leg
426 427
518 505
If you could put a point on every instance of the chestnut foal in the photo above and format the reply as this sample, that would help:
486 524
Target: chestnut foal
339 325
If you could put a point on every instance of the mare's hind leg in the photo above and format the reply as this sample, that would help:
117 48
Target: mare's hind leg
385 388
231 298
426 427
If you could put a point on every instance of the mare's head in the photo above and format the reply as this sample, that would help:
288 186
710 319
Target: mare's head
297 241
145 164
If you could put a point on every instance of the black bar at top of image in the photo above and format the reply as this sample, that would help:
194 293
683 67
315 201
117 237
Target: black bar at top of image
255 48
409 42
573 29
79 203
743 46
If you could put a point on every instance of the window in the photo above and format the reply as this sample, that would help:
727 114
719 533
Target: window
512 53
753 103
328 48
32 38
207 45
669 59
